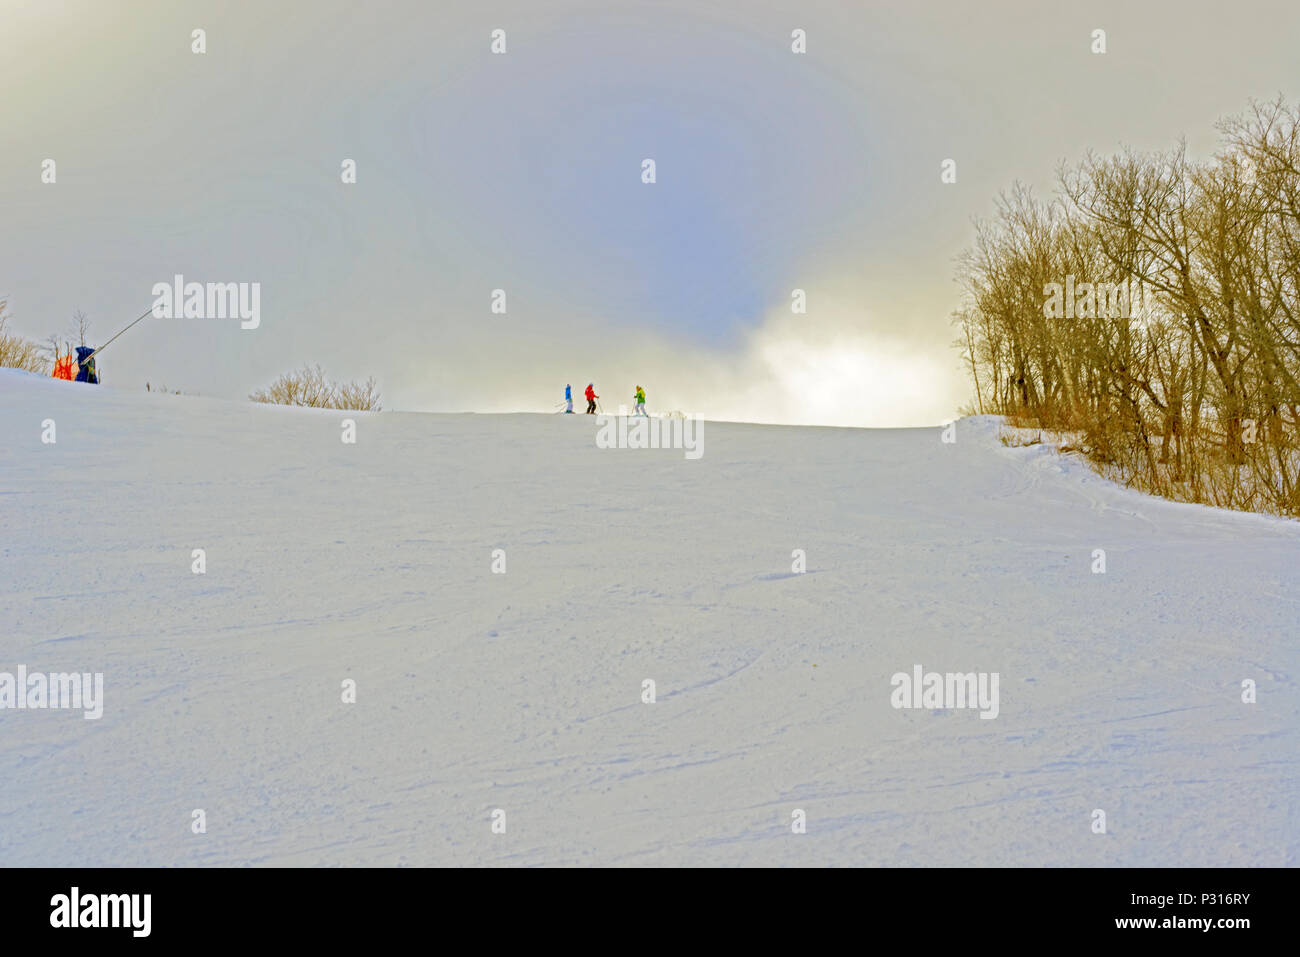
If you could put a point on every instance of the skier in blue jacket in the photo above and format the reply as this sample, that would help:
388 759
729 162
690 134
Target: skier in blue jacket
568 399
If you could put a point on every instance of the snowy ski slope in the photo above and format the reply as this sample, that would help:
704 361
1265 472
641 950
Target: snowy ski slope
522 691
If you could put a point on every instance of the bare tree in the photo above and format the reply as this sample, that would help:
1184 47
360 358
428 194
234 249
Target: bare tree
82 325
360 396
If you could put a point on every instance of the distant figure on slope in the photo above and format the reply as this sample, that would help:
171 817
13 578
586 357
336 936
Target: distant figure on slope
591 399
568 399
640 402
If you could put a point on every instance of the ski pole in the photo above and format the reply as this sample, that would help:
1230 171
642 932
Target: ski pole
105 345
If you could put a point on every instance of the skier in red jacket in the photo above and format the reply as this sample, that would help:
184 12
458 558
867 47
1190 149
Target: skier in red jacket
591 399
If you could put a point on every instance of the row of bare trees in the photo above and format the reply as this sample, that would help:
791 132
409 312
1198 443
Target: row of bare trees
17 352
309 387
1152 307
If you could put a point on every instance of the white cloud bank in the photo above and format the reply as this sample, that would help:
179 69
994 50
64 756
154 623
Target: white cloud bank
832 366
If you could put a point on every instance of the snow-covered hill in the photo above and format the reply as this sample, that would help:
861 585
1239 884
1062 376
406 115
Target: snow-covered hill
522 691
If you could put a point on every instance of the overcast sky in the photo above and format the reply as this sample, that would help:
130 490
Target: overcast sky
522 172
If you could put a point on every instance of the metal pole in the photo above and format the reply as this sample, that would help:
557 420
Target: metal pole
105 345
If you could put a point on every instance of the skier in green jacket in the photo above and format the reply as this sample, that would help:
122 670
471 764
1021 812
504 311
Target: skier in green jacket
640 402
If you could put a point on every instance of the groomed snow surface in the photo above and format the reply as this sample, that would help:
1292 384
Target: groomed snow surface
522 691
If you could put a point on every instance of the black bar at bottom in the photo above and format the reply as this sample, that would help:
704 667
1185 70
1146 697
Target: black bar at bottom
335 907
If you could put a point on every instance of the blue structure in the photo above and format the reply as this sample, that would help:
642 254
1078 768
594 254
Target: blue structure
86 370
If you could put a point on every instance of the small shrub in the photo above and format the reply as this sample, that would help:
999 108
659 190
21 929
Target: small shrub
17 352
309 388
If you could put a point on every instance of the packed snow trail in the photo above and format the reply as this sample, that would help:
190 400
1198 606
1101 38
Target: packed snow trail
522 691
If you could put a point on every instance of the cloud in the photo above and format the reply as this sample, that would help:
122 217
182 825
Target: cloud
836 366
